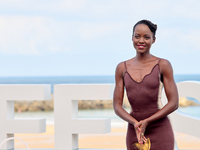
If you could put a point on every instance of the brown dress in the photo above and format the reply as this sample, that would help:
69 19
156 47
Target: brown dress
143 97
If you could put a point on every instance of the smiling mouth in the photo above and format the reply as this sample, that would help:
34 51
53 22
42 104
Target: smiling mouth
141 46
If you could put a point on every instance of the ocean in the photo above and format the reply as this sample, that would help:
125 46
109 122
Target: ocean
58 80
193 111
78 79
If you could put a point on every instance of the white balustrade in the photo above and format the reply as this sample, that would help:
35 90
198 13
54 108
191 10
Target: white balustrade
67 124
9 125
182 122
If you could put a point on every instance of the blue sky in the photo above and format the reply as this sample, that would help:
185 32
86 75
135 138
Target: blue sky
90 37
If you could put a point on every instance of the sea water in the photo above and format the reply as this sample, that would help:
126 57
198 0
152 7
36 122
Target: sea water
52 80
94 113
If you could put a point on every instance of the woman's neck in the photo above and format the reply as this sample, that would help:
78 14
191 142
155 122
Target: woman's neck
143 57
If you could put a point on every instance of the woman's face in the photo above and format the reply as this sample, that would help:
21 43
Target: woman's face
142 38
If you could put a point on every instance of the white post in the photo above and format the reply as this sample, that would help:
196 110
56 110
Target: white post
9 125
67 124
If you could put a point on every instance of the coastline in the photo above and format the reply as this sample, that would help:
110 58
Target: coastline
48 105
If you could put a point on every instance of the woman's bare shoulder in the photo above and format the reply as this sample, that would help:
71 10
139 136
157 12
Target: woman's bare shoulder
165 65
129 61
122 64
121 67
164 62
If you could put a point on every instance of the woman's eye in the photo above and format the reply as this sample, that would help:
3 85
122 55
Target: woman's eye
147 37
136 36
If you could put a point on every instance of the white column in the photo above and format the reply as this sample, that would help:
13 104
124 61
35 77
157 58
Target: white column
9 125
67 124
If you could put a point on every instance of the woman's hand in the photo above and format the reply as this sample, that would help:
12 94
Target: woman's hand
142 125
140 130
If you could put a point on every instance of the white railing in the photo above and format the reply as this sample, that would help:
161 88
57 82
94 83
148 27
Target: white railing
67 124
9 125
181 122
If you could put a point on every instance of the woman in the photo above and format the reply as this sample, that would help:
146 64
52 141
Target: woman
143 77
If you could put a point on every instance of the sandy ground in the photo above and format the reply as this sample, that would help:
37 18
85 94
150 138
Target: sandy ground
113 140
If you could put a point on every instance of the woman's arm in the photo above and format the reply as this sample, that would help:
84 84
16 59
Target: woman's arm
119 94
171 93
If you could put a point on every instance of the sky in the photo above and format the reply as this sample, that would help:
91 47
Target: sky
90 37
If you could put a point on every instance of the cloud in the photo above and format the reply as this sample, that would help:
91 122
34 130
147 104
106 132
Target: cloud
42 7
35 35
179 40
29 35
17 35
192 39
37 27
186 9
104 8
90 30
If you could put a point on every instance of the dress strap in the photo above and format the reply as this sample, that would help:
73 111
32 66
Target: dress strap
159 60
125 65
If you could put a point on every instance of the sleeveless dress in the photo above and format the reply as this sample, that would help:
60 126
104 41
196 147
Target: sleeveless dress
144 97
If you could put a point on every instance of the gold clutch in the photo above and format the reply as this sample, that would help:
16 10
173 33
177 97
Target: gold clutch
145 146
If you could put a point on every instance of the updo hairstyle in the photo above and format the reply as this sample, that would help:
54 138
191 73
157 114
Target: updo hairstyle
152 27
